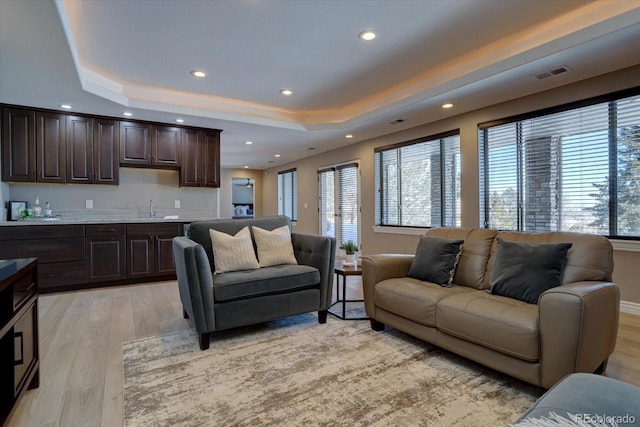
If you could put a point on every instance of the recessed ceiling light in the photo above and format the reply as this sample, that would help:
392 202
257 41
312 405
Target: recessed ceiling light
198 73
286 92
128 114
367 35
447 105
246 167
348 136
248 142
276 155
180 120
65 106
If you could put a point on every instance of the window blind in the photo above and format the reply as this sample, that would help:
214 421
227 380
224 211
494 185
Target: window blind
575 169
418 182
339 210
288 194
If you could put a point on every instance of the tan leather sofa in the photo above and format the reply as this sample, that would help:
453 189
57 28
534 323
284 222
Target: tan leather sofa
573 327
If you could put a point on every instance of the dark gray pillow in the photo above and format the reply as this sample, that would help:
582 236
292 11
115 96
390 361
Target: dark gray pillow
436 259
525 270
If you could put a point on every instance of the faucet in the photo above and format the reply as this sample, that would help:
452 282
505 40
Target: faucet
151 213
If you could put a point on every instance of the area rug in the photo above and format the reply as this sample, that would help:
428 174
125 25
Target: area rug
297 372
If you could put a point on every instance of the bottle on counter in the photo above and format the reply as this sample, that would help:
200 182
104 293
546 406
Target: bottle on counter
47 210
37 209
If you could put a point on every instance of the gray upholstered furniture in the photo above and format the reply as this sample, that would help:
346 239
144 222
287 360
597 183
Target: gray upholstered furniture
221 301
589 399
572 328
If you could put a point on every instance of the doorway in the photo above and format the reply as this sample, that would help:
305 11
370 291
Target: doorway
242 197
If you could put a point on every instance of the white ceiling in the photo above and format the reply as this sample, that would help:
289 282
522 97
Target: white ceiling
105 57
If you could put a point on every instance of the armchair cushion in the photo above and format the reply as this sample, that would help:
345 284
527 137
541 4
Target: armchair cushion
264 281
274 246
525 270
436 259
232 253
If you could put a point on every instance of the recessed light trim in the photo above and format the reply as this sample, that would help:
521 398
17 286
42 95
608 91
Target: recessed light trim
367 35
198 73
127 113
276 155
246 167
180 120
286 92
65 106
447 105
349 136
248 142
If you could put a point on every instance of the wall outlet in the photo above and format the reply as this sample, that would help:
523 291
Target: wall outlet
88 204
176 204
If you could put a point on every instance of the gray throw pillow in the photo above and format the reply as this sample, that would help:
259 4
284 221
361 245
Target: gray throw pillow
524 271
436 259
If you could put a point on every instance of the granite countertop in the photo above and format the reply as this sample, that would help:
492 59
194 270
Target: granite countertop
99 221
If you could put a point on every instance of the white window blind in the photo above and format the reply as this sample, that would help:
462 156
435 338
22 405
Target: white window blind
576 168
418 182
288 194
339 205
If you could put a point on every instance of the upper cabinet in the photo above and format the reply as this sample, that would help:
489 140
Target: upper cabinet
51 146
200 158
92 150
18 145
147 145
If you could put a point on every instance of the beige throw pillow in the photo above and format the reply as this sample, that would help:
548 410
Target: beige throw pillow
233 253
274 247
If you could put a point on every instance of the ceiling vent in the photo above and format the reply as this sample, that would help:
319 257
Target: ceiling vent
554 72
398 121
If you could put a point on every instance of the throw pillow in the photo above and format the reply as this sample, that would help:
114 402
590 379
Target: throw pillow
274 247
525 270
233 253
436 259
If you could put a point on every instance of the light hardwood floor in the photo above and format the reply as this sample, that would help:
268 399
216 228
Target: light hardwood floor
81 336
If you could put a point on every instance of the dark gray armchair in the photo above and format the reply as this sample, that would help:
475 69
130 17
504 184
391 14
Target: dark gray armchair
240 298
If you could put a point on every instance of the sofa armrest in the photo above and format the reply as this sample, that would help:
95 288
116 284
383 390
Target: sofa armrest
318 252
195 282
578 328
376 268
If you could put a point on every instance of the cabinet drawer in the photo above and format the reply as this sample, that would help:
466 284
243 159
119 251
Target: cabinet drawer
20 232
46 250
105 230
25 347
154 229
61 274
23 288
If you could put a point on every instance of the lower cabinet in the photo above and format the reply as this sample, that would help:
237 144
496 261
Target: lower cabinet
106 253
149 251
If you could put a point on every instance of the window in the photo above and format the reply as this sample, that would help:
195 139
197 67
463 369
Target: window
418 182
288 194
339 206
573 168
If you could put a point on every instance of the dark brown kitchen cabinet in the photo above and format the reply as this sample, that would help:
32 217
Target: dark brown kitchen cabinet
146 145
51 162
92 151
19 353
200 158
106 252
149 251
18 145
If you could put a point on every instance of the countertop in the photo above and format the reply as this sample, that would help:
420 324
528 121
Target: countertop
99 221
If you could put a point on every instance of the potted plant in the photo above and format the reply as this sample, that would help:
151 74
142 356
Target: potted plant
350 249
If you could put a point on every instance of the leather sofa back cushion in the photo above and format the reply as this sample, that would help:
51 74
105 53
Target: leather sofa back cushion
436 259
472 266
525 270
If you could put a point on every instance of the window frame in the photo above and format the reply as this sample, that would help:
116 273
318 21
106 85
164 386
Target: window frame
379 184
293 202
483 156
337 194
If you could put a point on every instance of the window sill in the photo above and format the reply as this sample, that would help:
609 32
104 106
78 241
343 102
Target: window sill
618 245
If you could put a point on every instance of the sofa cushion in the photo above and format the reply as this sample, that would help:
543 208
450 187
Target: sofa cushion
274 246
232 253
413 299
525 270
502 324
436 259
472 266
264 281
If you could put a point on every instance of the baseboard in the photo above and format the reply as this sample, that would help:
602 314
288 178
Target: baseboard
630 307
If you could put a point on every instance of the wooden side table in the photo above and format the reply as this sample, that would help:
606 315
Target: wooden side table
343 271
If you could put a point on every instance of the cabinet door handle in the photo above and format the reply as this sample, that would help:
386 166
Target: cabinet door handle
18 360
106 230
29 287
50 275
